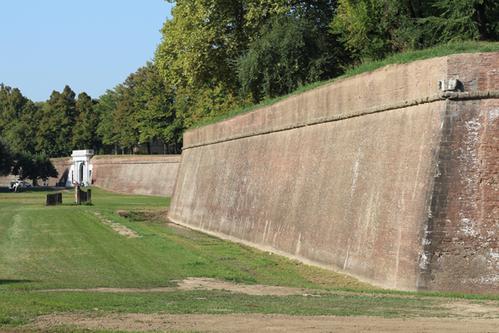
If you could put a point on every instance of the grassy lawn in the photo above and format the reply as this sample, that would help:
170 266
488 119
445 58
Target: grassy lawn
70 247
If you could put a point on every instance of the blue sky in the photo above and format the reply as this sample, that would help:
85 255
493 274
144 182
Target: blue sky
91 45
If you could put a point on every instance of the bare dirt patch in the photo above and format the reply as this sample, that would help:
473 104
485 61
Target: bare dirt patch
456 308
119 228
204 284
248 289
471 309
263 323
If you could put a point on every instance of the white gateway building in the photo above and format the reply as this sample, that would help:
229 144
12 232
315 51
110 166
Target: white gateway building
80 171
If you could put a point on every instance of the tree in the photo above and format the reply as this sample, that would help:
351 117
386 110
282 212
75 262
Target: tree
18 119
200 42
153 102
33 167
373 29
45 168
457 20
58 118
85 129
290 52
106 129
118 124
6 160
196 56
140 111
124 118
203 41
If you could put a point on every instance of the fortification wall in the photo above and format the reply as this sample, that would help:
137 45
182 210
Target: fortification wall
5 180
129 174
138 174
381 176
62 166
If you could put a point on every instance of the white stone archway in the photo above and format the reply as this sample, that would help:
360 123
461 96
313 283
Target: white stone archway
81 169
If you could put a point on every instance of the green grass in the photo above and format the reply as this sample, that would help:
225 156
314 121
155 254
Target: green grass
367 66
69 247
25 305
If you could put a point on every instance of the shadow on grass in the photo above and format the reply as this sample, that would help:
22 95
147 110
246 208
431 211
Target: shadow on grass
13 281
4 189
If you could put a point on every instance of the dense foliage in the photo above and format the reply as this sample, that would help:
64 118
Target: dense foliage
139 111
6 160
291 52
33 167
217 55
375 28
25 165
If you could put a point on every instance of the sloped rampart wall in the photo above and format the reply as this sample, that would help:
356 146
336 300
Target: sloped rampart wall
138 174
382 176
130 174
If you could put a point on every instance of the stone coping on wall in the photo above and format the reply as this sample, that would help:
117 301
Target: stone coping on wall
388 88
135 159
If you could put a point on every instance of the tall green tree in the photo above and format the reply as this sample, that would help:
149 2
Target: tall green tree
196 56
106 128
373 29
200 41
203 41
124 118
18 119
85 128
118 126
156 116
56 125
139 111
6 160
291 51
457 20
33 167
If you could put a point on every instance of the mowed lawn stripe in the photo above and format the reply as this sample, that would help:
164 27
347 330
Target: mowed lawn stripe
70 247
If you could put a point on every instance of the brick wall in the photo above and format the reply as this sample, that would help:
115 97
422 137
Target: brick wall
138 174
380 176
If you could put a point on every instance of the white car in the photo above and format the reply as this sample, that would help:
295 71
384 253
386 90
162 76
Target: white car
18 184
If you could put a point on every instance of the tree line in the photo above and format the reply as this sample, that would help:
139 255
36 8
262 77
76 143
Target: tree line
218 55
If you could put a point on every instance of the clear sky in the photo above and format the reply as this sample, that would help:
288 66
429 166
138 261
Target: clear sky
91 45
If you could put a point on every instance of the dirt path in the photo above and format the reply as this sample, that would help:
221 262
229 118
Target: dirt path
203 284
468 316
248 289
459 308
265 323
117 227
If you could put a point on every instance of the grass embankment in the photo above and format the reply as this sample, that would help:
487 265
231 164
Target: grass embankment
70 247
366 66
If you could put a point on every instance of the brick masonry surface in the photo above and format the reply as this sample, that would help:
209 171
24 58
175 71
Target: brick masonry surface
380 176
129 174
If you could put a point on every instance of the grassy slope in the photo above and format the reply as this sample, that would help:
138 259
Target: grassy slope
399 58
68 247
